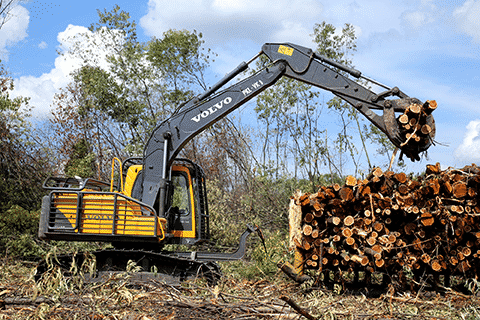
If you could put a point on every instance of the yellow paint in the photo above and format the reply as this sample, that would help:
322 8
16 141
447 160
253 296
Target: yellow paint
298 262
132 174
115 159
97 215
285 50
98 208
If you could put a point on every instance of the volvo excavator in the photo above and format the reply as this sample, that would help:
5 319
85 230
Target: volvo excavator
162 199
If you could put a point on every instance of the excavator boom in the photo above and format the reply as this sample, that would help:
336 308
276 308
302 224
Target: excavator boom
288 60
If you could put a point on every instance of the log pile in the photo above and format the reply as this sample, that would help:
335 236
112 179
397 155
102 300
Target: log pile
390 221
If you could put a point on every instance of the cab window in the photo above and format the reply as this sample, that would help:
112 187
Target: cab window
181 197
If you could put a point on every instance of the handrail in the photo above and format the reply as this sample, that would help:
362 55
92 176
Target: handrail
113 172
73 184
82 203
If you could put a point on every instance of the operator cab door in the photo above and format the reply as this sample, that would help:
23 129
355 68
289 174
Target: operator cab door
181 214
186 206
187 213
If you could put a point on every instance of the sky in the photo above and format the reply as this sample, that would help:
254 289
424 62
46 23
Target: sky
429 49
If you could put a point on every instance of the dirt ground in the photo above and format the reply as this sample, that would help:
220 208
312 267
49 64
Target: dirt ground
121 296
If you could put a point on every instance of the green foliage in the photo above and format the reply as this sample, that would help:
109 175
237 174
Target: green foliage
101 91
263 201
81 161
24 246
333 45
261 263
292 137
267 200
227 215
118 92
178 56
17 221
22 171
9 107
181 60
18 229
295 140
339 47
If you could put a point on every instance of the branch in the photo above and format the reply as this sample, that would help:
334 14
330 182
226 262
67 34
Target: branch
297 308
5 11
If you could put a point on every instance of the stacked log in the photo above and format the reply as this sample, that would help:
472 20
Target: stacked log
390 221
413 123
415 127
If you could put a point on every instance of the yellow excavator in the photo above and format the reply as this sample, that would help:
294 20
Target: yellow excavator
161 199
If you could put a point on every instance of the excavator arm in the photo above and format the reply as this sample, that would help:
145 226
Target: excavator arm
288 60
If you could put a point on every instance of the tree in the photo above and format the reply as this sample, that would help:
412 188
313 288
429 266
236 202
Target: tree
340 47
115 106
6 7
140 85
22 160
292 139
72 126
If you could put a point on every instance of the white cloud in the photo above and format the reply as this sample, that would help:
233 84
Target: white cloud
415 19
43 45
42 89
296 31
469 150
14 30
373 17
227 20
235 30
468 18
269 20
420 16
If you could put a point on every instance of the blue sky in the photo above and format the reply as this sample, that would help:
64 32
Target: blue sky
429 49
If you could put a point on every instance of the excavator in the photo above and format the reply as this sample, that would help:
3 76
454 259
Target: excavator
161 199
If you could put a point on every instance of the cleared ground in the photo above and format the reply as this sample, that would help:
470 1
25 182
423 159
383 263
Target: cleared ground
121 297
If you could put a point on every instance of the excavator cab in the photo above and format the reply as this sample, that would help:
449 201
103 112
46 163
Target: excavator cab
91 210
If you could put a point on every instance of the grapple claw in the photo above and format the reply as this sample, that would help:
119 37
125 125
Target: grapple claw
413 132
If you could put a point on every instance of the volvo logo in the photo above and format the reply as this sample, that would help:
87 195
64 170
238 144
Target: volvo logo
212 109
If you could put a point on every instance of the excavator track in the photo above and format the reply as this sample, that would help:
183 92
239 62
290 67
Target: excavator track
165 266
172 267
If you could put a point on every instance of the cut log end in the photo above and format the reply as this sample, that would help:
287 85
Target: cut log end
436 266
348 221
307 229
351 181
